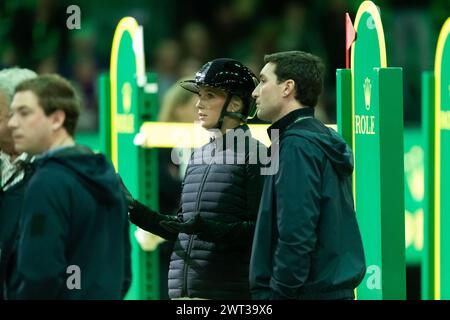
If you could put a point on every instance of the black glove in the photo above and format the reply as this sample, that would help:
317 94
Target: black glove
212 230
131 202
192 226
149 220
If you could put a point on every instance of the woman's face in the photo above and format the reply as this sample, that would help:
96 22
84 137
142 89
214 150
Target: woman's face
209 106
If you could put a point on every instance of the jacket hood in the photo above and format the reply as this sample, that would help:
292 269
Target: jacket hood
333 146
94 171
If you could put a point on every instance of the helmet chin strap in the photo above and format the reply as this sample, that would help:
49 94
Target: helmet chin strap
224 113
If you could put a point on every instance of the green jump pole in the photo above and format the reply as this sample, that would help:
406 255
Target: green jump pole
377 142
130 105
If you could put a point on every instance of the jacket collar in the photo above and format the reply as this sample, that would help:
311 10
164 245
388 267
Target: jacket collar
284 123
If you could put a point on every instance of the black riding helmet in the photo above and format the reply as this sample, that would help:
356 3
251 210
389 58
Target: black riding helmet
231 76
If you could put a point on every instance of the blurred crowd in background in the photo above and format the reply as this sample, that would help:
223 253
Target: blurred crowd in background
180 36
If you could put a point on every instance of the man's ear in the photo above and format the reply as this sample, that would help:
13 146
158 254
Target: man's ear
289 88
57 119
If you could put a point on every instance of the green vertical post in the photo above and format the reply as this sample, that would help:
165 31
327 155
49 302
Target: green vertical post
379 169
428 127
136 167
344 104
148 183
104 114
390 104
441 167
414 195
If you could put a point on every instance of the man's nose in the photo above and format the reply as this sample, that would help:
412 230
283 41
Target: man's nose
255 93
12 122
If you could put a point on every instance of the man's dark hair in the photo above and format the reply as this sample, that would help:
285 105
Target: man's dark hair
55 93
304 68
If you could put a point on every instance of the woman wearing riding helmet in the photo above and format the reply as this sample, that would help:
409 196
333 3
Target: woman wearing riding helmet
221 191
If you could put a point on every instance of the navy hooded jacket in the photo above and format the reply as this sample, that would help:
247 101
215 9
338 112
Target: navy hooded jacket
74 240
307 243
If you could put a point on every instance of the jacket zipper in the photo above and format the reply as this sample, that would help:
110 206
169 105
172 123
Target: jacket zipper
191 237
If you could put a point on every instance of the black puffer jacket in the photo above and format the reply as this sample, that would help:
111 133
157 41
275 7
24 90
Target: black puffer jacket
215 267
223 192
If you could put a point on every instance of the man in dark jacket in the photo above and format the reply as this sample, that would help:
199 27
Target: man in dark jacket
307 243
73 229
15 168
220 194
